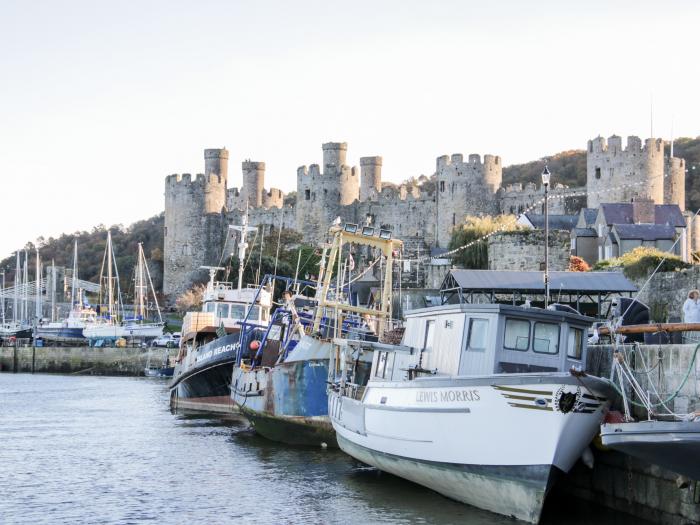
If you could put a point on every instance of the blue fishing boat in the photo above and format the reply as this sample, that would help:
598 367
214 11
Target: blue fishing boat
280 380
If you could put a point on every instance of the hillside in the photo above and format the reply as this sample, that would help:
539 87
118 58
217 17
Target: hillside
91 247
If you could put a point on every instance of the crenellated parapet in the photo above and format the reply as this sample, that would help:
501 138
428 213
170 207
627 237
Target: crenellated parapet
617 173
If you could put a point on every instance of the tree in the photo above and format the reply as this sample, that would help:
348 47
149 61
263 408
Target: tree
474 231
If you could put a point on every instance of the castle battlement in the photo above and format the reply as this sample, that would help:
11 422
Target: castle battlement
185 179
613 145
473 159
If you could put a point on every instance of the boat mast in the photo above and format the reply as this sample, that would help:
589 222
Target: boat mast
74 276
150 281
15 304
139 303
25 288
37 303
110 288
2 294
242 246
53 290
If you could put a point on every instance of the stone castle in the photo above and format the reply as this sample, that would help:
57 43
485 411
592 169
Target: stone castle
199 209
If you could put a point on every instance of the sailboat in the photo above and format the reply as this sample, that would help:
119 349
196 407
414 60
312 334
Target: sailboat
18 327
70 330
139 326
107 326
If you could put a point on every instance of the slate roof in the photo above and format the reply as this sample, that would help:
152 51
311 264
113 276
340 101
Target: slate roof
556 222
585 232
589 215
645 232
618 213
669 214
509 281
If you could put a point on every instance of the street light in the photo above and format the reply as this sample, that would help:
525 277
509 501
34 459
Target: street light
545 181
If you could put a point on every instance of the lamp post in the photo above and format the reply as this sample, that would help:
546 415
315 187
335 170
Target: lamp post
545 181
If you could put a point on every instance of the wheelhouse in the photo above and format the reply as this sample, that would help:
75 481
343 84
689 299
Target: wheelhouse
483 339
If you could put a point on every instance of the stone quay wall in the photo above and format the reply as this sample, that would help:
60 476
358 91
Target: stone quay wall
79 360
630 485
523 250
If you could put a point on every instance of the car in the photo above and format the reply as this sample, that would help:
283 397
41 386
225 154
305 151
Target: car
165 340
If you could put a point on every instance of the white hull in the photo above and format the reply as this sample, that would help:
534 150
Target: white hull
491 442
136 331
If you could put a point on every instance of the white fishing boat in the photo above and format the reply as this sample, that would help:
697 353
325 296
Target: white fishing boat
483 403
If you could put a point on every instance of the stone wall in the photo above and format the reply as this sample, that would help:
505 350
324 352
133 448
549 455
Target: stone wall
83 360
667 291
523 250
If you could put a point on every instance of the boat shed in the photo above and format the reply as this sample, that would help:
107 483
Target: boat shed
587 292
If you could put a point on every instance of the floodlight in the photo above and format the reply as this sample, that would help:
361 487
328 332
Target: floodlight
368 230
350 228
385 234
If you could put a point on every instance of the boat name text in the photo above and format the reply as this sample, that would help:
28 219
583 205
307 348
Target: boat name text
218 350
432 396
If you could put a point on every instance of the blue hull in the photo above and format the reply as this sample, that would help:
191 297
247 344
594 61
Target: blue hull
62 333
286 403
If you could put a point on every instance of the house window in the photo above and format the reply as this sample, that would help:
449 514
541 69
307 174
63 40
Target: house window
597 173
573 243
307 194
442 185
608 251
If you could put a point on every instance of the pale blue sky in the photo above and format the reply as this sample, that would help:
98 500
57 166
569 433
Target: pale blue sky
99 101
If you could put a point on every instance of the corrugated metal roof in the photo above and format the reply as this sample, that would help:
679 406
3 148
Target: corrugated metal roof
510 281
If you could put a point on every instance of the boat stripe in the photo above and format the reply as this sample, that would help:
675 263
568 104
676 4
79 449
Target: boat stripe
533 407
523 390
526 398
589 396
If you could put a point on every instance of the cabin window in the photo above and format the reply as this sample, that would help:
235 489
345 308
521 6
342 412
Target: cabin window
221 311
381 364
517 336
429 336
546 339
211 307
254 313
237 311
478 329
575 349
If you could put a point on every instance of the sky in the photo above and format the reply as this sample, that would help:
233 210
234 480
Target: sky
99 101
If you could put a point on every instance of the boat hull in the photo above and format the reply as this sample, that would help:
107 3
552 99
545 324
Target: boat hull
491 442
287 403
203 382
134 331
61 334
673 445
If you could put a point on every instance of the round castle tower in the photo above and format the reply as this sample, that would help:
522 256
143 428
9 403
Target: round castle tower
674 182
370 177
253 183
614 174
194 221
321 196
465 188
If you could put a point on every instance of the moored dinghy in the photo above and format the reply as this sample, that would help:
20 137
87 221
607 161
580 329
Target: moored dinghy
477 403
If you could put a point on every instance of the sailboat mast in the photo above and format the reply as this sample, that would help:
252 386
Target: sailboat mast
110 288
37 303
74 276
53 290
242 246
25 288
150 282
15 304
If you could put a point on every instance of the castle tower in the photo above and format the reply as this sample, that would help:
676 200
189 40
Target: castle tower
216 162
465 188
674 182
194 222
253 183
370 177
614 174
334 154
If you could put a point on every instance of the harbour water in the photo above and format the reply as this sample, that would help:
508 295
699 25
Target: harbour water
77 449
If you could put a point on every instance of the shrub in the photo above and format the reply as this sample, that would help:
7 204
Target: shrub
476 256
577 264
641 261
